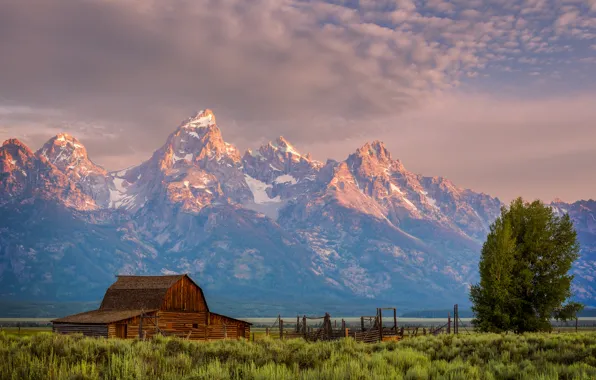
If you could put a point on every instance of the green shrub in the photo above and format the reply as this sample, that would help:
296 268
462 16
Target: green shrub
474 356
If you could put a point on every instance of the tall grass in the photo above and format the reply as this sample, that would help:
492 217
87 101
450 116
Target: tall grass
479 356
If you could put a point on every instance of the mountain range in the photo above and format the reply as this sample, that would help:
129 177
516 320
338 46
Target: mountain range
266 229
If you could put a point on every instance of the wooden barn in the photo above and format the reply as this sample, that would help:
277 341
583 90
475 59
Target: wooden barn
167 305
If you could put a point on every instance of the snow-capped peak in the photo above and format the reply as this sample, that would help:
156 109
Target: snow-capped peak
63 148
65 138
201 119
69 155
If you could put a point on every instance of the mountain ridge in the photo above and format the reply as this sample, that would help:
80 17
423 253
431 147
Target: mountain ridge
364 228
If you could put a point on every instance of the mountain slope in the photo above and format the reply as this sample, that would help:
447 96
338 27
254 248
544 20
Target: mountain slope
271 227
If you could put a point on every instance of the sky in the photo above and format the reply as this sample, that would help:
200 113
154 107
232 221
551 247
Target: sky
498 96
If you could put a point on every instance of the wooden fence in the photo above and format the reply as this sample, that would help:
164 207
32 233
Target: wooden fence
372 328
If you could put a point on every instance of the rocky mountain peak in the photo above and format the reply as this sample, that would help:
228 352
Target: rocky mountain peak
281 145
373 160
375 150
14 143
200 119
198 139
14 152
69 155
63 140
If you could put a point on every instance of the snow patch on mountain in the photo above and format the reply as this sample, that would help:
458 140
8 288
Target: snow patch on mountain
395 189
284 179
187 157
259 191
412 205
118 193
432 202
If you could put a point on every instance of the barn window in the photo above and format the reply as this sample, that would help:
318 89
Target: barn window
195 325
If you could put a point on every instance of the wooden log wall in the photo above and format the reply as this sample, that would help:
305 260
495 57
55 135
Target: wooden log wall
132 329
218 332
171 323
194 326
112 330
87 330
234 329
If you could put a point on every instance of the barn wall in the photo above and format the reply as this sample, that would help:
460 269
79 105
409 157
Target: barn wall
132 330
184 296
195 326
111 330
183 323
232 329
201 326
87 330
217 332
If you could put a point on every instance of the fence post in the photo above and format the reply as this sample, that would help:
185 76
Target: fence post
304 329
380 313
267 331
455 319
395 319
362 323
448 323
346 332
281 328
343 324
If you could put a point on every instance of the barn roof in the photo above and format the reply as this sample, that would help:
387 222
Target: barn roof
233 319
101 316
140 292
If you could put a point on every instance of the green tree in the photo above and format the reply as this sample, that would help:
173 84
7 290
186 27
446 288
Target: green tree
568 312
524 269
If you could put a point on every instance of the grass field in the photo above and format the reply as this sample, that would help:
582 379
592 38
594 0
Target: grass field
474 356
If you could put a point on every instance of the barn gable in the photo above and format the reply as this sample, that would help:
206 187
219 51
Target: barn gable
184 295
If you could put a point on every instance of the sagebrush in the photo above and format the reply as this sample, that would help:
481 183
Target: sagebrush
476 356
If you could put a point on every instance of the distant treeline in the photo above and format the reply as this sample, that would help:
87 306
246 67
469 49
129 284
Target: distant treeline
39 309
467 313
31 309
442 313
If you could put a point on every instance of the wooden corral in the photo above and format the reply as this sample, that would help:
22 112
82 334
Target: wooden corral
143 306
372 328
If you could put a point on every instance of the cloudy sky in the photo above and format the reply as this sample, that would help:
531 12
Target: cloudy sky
498 96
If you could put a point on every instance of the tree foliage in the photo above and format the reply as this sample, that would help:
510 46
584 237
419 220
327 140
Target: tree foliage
524 269
568 312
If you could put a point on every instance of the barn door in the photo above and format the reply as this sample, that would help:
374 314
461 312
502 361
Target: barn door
241 331
121 330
